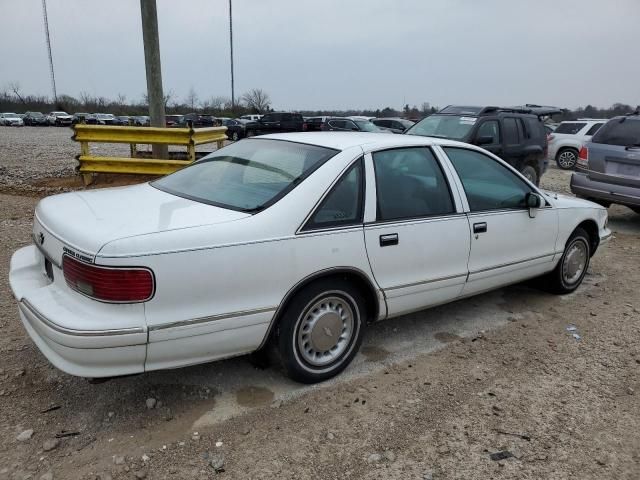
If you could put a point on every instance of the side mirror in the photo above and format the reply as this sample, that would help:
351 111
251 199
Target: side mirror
533 202
485 140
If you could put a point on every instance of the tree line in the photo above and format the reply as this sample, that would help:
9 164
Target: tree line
13 99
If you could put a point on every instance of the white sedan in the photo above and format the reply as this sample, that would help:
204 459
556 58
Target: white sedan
296 239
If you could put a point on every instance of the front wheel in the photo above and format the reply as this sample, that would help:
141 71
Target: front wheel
530 174
567 158
235 137
570 271
321 330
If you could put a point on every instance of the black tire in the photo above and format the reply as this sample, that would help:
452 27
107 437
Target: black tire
555 281
329 295
250 133
566 158
531 174
235 137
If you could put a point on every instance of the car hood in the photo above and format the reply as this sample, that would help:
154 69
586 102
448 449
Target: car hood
85 221
567 201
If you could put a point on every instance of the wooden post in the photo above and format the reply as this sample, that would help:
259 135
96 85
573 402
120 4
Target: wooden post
155 95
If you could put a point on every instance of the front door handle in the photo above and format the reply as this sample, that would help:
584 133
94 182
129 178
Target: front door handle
480 227
388 240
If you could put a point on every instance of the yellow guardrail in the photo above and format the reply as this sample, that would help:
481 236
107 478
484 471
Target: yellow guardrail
187 137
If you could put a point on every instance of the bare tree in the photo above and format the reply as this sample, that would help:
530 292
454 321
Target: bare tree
257 100
192 98
216 103
15 88
121 99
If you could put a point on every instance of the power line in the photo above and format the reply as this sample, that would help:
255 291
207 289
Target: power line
46 32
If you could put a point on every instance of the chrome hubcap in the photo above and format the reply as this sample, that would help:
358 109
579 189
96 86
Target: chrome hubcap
575 262
325 331
567 159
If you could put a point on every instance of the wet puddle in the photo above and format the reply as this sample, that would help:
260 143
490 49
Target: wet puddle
447 337
254 396
374 354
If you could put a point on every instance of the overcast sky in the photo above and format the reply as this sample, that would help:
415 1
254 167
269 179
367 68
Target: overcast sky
337 53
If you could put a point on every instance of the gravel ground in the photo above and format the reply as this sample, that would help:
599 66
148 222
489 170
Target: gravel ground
497 373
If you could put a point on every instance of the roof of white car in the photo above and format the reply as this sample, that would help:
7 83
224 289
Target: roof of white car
369 141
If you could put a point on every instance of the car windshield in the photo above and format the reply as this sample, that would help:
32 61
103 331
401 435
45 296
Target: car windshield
624 132
248 175
367 126
10 115
454 127
59 113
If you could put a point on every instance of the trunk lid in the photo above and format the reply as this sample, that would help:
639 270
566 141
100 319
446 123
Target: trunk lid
80 223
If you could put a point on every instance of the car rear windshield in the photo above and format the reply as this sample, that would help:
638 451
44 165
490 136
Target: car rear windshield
249 175
570 128
454 127
624 132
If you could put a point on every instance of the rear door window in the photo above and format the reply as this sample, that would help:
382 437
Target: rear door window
410 184
511 136
624 132
594 128
570 128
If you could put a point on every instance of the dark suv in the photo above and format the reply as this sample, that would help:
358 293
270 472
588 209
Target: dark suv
608 167
516 135
276 122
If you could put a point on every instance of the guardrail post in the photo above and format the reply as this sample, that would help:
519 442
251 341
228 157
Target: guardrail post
191 148
133 148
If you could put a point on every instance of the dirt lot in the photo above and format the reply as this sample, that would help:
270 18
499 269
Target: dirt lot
432 395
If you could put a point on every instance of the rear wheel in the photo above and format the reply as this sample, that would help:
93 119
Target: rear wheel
572 267
235 136
530 174
321 330
567 158
250 133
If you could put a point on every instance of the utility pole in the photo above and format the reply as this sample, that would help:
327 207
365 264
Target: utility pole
46 32
155 95
233 95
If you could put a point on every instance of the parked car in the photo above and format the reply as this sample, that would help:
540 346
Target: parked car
122 120
395 125
35 119
608 167
172 120
276 122
11 120
252 117
106 119
59 119
197 120
349 125
88 118
515 135
141 121
567 140
317 124
235 129
322 233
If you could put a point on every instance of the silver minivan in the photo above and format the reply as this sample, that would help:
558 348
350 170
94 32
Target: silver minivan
608 167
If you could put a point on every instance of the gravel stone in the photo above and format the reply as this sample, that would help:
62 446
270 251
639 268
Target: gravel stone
50 444
25 435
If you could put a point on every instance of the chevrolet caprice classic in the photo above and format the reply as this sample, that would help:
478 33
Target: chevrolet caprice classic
298 241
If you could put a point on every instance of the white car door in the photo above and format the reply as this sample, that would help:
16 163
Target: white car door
507 245
416 234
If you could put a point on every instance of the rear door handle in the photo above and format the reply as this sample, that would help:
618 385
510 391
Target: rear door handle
388 240
480 227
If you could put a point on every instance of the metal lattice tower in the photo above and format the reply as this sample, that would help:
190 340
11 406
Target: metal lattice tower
46 32
233 96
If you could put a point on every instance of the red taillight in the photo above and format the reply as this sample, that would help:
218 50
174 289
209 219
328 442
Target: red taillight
550 137
583 157
109 284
